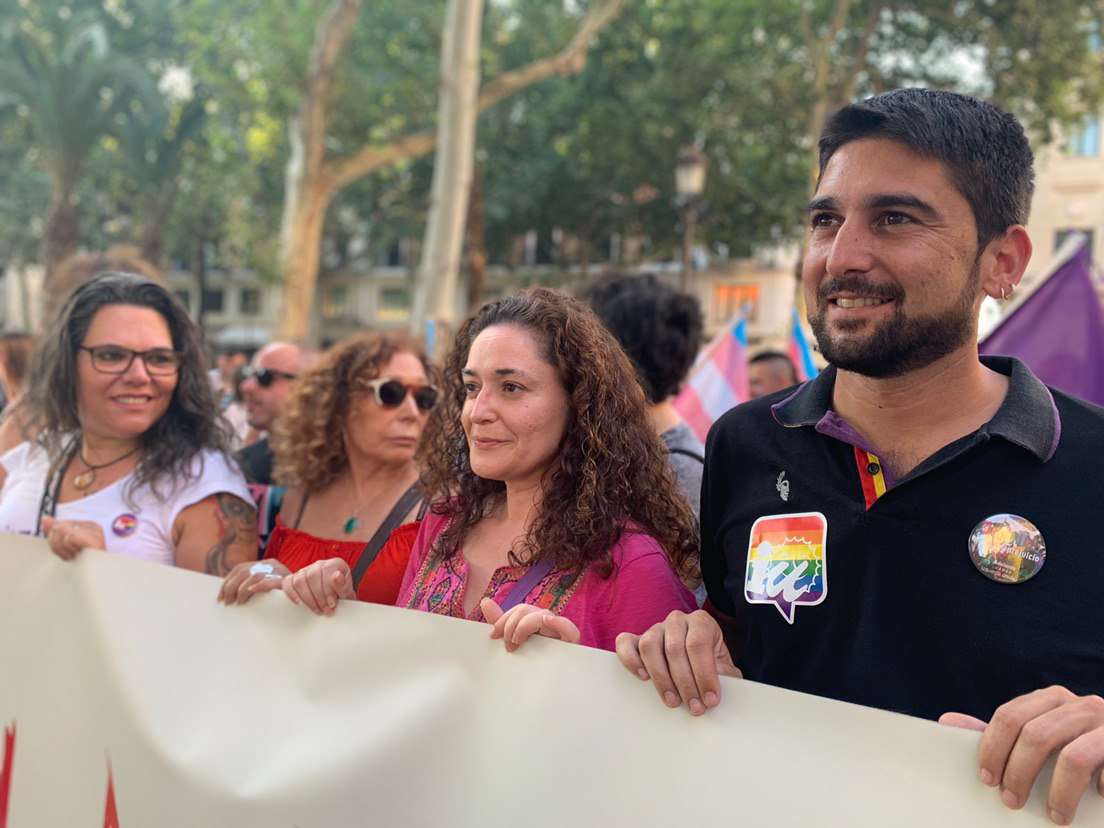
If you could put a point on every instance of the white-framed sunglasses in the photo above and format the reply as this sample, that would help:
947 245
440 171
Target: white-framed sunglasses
390 393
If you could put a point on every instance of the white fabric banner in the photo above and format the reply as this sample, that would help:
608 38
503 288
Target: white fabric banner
265 715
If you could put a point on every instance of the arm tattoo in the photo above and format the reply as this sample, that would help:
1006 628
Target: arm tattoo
235 520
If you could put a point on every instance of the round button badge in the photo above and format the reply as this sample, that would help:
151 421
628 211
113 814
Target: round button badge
124 525
1008 549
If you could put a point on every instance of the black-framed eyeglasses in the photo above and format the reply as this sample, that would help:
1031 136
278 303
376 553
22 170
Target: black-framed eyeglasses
390 393
115 359
265 376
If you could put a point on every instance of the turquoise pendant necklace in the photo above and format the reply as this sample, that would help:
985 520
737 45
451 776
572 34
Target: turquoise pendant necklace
353 522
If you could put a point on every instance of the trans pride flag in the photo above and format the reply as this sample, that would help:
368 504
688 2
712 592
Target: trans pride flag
800 352
717 382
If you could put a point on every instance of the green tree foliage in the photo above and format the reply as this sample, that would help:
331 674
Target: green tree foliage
85 132
61 77
752 82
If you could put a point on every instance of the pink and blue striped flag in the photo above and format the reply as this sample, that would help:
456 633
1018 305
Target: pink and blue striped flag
717 382
800 352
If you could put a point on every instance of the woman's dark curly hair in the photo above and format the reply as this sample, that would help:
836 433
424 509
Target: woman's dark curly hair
308 438
611 470
190 425
659 327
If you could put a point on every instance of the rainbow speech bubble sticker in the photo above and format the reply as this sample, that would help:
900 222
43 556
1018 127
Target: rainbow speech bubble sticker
787 562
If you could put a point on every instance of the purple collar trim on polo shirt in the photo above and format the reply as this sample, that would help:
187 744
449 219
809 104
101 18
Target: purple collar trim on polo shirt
833 425
1028 417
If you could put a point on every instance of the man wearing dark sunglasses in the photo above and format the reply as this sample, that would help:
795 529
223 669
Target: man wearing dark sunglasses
267 383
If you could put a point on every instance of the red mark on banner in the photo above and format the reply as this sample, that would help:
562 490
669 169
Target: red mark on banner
111 814
6 773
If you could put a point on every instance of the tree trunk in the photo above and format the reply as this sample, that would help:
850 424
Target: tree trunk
151 237
301 261
452 169
308 188
59 241
306 201
477 243
24 298
313 179
199 270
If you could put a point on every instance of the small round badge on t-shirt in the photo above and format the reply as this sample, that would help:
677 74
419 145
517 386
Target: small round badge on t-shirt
124 525
1008 549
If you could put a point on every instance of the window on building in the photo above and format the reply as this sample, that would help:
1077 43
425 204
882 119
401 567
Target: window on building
185 297
1060 236
1085 141
335 301
395 303
212 300
250 301
733 300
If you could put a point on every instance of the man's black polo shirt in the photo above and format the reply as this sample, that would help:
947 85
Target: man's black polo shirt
887 607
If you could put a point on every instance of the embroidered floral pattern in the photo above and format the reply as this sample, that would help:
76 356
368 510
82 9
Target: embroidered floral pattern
440 583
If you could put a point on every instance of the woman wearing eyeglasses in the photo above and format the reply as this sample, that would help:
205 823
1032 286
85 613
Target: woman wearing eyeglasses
131 456
555 511
344 445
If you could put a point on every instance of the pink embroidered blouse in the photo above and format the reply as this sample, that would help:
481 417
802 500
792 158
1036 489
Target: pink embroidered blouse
641 590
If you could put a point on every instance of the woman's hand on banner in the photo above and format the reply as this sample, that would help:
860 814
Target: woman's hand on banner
250 578
318 587
1027 731
518 624
68 537
683 657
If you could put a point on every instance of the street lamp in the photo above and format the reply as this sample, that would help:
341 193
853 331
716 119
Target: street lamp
690 167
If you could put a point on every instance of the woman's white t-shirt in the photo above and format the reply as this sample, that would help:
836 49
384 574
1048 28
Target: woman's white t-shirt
137 527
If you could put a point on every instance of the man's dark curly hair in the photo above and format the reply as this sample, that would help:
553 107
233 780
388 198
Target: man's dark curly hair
611 471
659 327
191 423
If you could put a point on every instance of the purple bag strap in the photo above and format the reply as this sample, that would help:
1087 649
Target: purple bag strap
533 576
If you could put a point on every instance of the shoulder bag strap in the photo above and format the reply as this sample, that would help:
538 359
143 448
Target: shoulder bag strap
302 508
533 576
390 523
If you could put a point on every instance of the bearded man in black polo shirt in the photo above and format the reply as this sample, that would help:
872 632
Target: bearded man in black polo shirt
917 529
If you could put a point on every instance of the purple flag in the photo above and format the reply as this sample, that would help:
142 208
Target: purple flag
1059 331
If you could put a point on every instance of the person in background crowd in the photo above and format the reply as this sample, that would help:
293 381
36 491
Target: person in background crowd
226 378
15 358
227 364
265 387
661 331
345 445
16 349
770 371
555 509
130 456
960 495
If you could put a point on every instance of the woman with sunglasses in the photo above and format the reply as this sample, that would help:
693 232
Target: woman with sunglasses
344 445
555 511
131 456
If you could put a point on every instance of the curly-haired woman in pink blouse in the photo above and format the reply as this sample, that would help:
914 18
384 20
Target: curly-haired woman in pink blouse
554 508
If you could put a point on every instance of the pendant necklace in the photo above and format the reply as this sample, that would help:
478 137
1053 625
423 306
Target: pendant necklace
354 521
87 477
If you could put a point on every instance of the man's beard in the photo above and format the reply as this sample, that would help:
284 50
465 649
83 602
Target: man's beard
902 343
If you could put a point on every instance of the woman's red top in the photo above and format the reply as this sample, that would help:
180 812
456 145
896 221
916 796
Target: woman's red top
297 549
